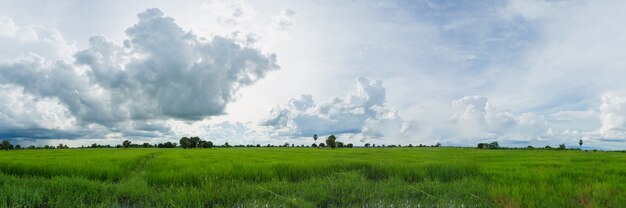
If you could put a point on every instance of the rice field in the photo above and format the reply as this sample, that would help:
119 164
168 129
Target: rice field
309 177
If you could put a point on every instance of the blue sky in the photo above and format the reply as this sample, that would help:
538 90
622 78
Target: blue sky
457 72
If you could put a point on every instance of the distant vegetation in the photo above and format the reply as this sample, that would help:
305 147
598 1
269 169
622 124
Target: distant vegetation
197 142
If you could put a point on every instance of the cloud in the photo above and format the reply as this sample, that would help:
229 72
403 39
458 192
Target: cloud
477 119
613 117
160 72
285 20
21 40
363 112
230 11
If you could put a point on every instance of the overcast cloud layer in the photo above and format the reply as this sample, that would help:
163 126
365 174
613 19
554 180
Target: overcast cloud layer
521 72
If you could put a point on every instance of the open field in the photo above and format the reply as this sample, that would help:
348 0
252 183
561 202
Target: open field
308 177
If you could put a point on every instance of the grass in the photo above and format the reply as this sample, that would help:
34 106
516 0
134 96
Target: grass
308 177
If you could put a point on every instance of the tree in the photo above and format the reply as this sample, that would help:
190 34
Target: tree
314 145
169 145
17 146
349 145
126 143
226 144
315 139
145 145
367 144
580 143
340 145
6 144
322 145
207 144
494 145
194 142
561 146
185 142
331 141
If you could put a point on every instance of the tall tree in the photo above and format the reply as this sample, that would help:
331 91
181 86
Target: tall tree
126 143
331 141
6 144
580 143
194 142
185 142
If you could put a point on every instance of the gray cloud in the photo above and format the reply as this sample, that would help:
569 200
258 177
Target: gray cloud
160 72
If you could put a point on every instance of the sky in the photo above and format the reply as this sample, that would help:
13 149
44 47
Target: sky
520 72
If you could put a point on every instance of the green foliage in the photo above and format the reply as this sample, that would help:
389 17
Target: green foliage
331 141
126 143
311 177
185 142
6 145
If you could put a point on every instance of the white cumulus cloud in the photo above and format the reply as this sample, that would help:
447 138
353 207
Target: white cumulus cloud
363 112
160 72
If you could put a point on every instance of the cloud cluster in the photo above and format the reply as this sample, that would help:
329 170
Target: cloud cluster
21 40
476 119
160 72
613 117
362 112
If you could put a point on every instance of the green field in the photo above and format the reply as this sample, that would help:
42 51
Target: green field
309 177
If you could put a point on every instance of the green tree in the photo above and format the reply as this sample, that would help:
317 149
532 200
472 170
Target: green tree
185 142
340 145
169 145
6 144
331 141
206 144
580 143
194 142
126 143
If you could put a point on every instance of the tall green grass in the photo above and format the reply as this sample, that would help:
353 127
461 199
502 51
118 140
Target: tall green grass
308 177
